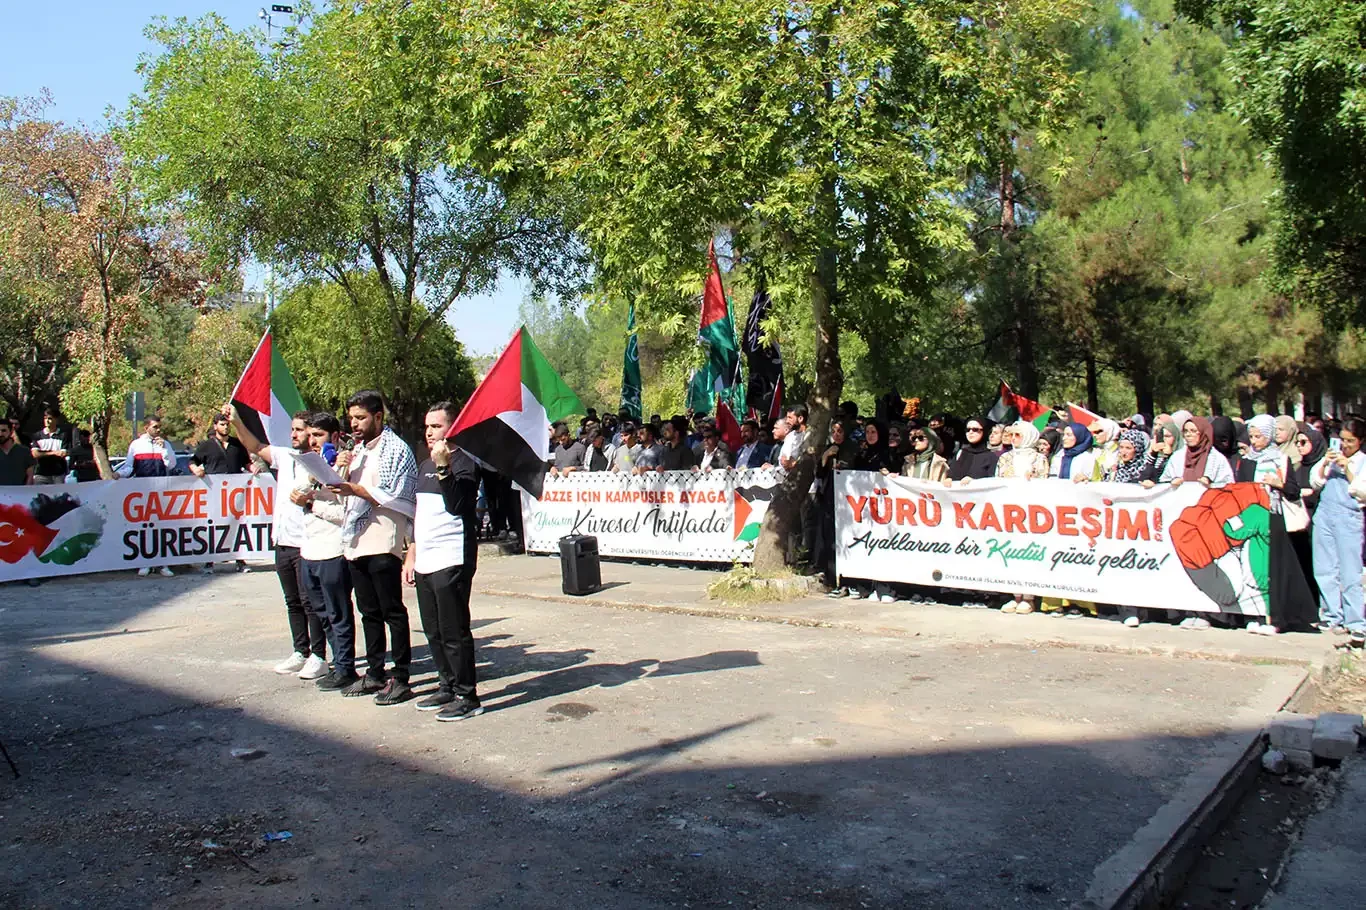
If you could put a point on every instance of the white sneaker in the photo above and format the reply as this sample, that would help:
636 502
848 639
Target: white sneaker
144 572
1023 607
314 668
1267 628
165 572
888 598
872 595
1131 622
291 664
1254 627
1199 624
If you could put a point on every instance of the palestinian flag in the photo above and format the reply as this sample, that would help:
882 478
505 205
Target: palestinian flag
266 397
1020 407
1077 414
721 376
506 423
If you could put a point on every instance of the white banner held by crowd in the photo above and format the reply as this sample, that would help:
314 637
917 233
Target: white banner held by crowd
696 517
1186 548
70 529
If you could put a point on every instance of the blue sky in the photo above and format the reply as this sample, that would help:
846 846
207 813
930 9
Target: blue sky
85 53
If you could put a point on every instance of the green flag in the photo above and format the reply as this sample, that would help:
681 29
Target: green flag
630 370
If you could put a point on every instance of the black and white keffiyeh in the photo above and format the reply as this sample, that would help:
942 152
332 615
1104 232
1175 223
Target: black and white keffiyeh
396 490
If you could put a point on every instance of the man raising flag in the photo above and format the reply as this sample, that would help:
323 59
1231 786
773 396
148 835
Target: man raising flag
506 423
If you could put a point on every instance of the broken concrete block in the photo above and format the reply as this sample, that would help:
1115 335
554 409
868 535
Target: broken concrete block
1335 736
1273 760
1299 759
1292 731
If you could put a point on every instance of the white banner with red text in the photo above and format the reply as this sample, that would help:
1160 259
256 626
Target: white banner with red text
674 515
1184 548
70 529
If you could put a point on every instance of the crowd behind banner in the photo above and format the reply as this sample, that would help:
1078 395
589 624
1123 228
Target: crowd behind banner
1294 494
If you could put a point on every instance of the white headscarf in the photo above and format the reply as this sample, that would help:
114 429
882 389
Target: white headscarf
1266 425
1026 434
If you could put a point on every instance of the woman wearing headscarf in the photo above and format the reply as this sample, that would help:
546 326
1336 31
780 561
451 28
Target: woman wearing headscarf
1312 447
1131 453
1198 461
1105 438
874 455
925 461
1050 442
1166 442
1285 439
1023 461
1290 607
1337 533
840 455
1224 432
975 459
996 441
1076 460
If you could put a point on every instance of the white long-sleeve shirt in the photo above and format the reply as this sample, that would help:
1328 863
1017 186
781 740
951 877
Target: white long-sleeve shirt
148 458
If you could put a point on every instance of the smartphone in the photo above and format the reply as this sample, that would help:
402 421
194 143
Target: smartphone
1335 445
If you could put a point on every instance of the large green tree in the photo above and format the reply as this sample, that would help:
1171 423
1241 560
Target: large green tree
823 140
321 155
1300 71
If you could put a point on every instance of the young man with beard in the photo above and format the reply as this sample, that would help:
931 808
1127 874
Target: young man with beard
441 563
380 476
222 454
327 576
306 628
677 455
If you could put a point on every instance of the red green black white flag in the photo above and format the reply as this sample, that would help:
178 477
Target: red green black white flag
506 423
266 397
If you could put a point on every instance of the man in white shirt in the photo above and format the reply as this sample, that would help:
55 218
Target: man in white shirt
309 659
326 572
795 438
381 475
441 562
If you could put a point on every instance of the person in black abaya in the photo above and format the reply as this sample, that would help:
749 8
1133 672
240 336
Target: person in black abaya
975 459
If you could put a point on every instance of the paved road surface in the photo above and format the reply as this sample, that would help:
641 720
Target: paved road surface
628 758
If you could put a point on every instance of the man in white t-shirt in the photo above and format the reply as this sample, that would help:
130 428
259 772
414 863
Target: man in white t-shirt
309 660
795 438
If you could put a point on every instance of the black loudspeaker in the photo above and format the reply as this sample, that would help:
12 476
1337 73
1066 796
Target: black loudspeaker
580 571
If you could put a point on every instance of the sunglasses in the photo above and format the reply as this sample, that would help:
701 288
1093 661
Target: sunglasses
1301 441
974 429
918 437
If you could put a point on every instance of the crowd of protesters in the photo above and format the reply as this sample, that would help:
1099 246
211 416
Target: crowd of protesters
1312 470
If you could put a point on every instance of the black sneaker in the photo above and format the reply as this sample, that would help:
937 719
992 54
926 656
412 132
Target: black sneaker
436 701
337 679
395 691
365 685
461 709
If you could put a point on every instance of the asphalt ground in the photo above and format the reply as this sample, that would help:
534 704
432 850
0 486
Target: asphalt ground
644 757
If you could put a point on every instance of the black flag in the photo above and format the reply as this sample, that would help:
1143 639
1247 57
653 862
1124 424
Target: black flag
764 396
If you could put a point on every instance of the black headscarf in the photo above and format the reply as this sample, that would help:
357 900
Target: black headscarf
1318 446
1225 436
874 457
975 459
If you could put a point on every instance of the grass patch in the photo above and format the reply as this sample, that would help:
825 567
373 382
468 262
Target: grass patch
743 585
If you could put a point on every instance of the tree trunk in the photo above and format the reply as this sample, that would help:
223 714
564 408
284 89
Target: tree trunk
1245 403
1273 395
1216 406
1144 395
1092 385
1313 396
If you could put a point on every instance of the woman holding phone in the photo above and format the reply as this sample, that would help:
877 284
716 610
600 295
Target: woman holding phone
1290 605
1338 532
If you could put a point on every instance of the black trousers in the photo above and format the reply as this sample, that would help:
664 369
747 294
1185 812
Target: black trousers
443 599
496 488
305 621
378 581
329 589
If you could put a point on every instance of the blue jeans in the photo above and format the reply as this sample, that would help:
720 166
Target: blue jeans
329 584
1337 566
